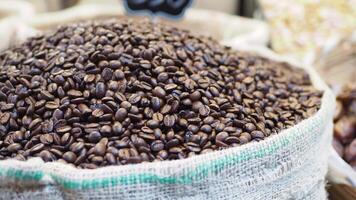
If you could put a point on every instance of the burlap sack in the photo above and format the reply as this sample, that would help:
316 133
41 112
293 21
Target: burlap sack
290 165
12 13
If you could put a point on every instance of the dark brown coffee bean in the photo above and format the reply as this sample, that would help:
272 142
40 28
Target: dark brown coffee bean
169 120
121 114
157 145
162 77
14 147
37 148
153 123
46 139
107 74
206 128
159 92
208 120
244 138
52 105
56 152
232 140
156 103
166 109
97 113
158 117
172 143
343 130
110 158
170 87
63 129
135 98
99 149
58 114
46 95
89 78
195 96
4 118
350 151
222 136
74 93
115 64
69 156
18 136
100 90
248 80
94 137
257 134
204 110
162 155
117 128
145 64
250 127
76 147
35 123
47 156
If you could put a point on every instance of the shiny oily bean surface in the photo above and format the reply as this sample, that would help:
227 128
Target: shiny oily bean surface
117 92
344 141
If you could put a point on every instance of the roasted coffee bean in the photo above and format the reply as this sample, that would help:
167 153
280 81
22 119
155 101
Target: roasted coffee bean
110 158
97 113
99 149
37 148
4 117
46 139
107 74
47 156
257 134
74 93
204 110
114 92
152 123
169 120
134 98
121 114
159 92
69 156
344 140
156 103
157 145
222 136
100 90
250 127
77 147
158 117
63 129
244 138
94 137
35 123
117 128
14 147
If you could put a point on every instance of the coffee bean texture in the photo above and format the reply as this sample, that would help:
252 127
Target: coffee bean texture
122 92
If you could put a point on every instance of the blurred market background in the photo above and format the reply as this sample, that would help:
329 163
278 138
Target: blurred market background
317 33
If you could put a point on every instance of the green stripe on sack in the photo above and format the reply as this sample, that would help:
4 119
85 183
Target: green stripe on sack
112 181
21 175
198 173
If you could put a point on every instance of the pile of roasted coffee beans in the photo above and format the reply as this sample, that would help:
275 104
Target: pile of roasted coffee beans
120 92
345 124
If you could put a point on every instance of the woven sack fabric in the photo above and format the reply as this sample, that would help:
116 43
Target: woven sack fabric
290 165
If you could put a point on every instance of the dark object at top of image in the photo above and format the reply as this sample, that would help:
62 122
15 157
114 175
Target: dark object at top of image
171 8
